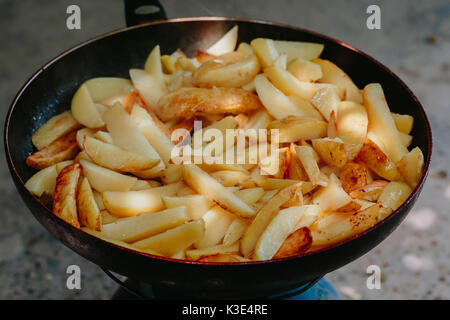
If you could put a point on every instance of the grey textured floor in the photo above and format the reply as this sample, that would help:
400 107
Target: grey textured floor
414 42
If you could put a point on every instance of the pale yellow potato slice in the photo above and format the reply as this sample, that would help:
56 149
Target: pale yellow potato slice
309 162
153 63
259 120
332 197
403 122
82 133
145 184
392 197
204 184
196 205
156 135
292 129
107 217
326 100
298 49
196 254
174 240
230 178
84 110
98 200
250 195
335 75
88 211
131 203
171 174
381 123
126 134
151 173
144 225
332 151
352 122
273 183
150 87
305 70
53 129
217 222
102 179
265 50
264 216
309 217
235 231
225 44
405 139
411 167
114 158
103 136
43 181
281 62
277 231
306 107
61 165
106 88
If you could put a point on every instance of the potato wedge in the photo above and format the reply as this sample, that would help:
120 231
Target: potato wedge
411 167
171 174
297 49
145 225
296 243
277 231
102 179
354 176
196 205
174 240
104 88
405 139
85 132
230 178
292 129
381 123
393 196
265 50
88 211
197 254
114 158
131 203
150 87
225 44
264 216
61 149
204 184
84 110
273 184
43 181
326 100
372 155
352 123
107 217
281 62
332 197
65 197
403 122
53 129
331 73
250 195
223 257
306 156
370 191
235 231
305 70
306 107
217 222
332 151
145 184
153 63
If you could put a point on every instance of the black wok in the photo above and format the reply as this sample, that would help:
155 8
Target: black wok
49 91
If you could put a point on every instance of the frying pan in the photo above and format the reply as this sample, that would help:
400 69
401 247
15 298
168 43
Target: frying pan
48 92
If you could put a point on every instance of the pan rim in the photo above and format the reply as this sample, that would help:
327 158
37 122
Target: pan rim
416 190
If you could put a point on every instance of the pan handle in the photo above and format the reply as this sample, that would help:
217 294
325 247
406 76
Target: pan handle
141 11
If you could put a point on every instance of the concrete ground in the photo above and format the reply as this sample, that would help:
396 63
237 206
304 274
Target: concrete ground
414 42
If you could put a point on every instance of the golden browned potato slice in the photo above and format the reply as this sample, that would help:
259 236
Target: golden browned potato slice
188 102
403 122
297 49
372 155
88 211
393 196
214 250
292 129
64 148
370 191
296 243
381 123
354 176
65 197
305 70
273 184
332 151
332 197
411 167
43 181
174 240
405 139
231 70
114 158
351 126
264 216
204 184
145 225
54 129
222 257
335 75
225 44
131 203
